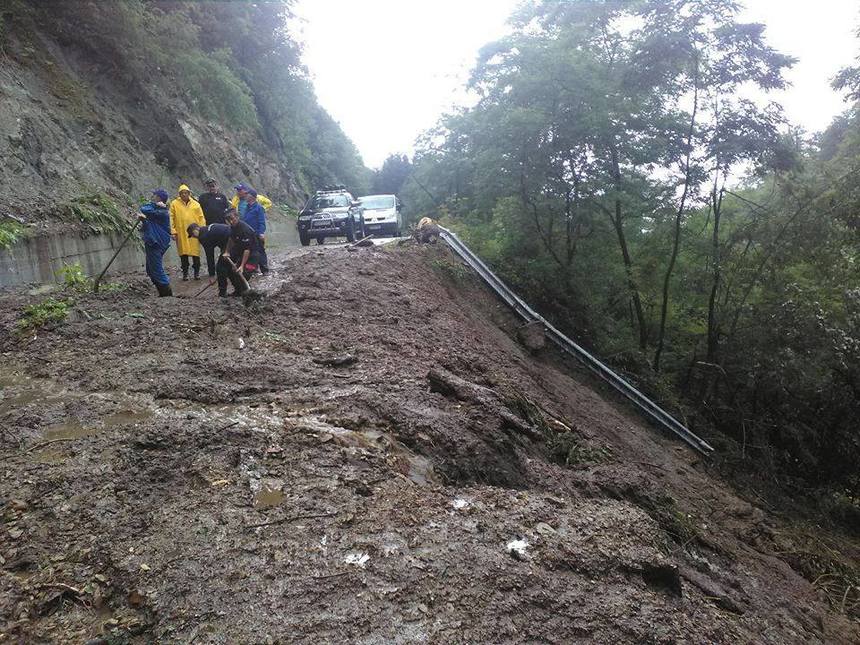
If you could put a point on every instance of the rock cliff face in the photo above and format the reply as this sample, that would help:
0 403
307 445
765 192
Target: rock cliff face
74 124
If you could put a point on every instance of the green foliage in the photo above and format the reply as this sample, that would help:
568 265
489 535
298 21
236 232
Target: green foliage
214 90
452 270
233 63
389 179
10 233
74 278
48 312
98 212
596 176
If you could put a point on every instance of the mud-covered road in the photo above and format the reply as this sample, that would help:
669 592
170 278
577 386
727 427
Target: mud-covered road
367 455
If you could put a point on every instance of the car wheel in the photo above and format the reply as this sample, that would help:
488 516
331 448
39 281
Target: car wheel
350 231
304 238
321 240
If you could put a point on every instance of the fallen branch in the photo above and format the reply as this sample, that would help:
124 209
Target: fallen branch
61 586
228 426
331 575
48 443
359 242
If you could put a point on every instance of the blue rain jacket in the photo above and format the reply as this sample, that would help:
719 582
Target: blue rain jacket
155 229
255 217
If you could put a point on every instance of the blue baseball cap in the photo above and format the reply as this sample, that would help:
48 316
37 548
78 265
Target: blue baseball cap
239 188
161 194
252 192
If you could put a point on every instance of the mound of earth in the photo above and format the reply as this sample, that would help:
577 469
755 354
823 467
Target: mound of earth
368 455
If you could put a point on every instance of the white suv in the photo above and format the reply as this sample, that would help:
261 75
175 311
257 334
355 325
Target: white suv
382 214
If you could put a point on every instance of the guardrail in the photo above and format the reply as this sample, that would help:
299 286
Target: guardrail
650 409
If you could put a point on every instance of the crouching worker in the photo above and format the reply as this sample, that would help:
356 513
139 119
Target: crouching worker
155 230
210 237
239 260
427 231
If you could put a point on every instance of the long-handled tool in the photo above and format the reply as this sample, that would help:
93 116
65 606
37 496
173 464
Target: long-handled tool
211 282
121 246
238 273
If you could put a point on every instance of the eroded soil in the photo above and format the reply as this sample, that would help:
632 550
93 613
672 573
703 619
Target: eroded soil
377 460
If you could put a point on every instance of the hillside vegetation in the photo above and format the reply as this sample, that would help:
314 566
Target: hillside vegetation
613 171
106 99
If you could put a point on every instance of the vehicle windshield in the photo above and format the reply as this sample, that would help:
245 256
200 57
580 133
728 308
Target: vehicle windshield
377 202
331 201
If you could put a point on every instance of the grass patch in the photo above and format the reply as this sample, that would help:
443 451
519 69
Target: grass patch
10 233
822 560
74 279
569 449
48 312
452 270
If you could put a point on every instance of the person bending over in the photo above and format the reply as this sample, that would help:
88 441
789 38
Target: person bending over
210 237
239 260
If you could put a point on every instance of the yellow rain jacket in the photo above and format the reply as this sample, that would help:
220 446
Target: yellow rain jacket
181 215
264 201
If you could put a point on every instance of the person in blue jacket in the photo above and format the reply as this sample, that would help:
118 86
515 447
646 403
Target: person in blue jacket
155 230
255 217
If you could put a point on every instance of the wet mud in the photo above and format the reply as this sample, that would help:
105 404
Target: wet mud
199 470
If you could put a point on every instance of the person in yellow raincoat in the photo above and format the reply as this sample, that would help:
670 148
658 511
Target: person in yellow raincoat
185 210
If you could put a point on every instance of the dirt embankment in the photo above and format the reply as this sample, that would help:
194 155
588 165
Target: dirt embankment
367 455
83 135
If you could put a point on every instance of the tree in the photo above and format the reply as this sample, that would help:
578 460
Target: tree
389 179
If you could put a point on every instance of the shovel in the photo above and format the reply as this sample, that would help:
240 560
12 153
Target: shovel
238 273
121 246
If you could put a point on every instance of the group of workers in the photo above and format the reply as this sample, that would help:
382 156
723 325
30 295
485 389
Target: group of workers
237 228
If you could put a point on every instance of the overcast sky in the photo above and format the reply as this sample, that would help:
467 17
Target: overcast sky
388 69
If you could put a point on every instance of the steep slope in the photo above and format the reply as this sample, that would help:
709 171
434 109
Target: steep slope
359 467
100 102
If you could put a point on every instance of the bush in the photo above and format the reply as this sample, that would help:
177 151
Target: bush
10 233
74 277
47 312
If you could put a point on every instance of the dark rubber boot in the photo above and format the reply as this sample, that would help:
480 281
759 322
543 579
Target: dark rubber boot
164 290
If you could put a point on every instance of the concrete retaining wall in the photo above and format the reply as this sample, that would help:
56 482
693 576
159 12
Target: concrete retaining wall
38 260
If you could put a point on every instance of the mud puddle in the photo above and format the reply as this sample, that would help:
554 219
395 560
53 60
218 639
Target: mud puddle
75 429
19 390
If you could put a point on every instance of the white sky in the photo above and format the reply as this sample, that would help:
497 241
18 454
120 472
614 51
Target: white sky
388 69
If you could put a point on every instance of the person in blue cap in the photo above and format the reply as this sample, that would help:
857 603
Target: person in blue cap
255 217
155 230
